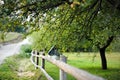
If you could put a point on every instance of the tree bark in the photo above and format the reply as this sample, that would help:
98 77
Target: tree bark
103 58
102 52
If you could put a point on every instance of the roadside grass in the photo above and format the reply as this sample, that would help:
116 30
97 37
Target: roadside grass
91 63
11 36
19 68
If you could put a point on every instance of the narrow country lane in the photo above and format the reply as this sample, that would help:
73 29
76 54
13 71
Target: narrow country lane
11 49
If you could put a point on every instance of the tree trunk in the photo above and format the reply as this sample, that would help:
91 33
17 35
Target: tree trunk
102 52
103 58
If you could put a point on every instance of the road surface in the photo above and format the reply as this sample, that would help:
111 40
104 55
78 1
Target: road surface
11 49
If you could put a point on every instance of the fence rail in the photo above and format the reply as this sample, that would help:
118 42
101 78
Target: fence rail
79 74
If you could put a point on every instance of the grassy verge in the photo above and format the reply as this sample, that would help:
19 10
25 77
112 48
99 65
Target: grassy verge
19 68
10 36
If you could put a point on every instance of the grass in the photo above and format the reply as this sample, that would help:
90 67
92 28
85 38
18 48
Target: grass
86 61
11 36
91 63
19 68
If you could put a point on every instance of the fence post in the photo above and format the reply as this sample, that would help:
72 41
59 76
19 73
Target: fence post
43 61
37 59
63 75
33 58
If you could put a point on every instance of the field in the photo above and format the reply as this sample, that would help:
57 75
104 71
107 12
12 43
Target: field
86 61
10 36
91 63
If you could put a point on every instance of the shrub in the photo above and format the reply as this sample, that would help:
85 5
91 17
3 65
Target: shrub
25 51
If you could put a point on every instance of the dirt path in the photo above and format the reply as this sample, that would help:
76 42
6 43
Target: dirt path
11 49
22 71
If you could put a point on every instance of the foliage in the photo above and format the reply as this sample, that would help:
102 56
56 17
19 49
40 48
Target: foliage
104 24
66 30
25 51
63 16
29 12
2 36
85 18
115 46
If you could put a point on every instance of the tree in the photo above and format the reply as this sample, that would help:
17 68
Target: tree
83 12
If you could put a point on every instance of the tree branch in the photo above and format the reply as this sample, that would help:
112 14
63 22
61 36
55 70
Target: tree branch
115 3
110 39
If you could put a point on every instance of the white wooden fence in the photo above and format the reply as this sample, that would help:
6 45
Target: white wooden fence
79 74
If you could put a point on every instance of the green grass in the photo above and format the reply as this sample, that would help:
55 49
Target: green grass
11 36
16 64
86 61
91 63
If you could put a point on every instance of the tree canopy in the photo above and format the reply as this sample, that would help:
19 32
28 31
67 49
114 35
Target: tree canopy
21 9
65 22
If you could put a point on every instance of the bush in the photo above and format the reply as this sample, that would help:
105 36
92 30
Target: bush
25 51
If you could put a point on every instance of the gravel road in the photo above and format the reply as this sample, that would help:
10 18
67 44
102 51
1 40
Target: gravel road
11 49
